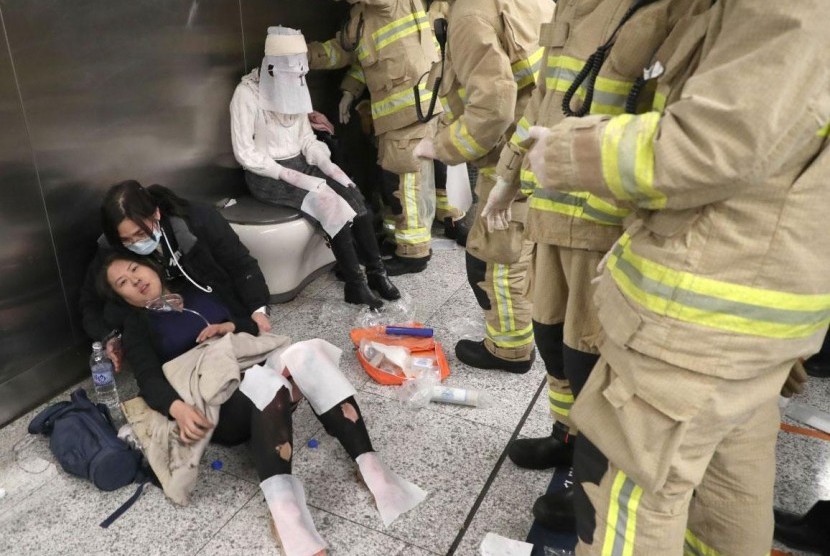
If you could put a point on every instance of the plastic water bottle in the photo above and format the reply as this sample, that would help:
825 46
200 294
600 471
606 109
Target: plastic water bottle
103 376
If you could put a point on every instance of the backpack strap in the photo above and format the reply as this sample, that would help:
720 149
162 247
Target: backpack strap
45 420
126 505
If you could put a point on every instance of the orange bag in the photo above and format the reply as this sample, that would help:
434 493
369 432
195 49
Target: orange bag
417 345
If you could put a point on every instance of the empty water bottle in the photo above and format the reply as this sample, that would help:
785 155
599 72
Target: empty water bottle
103 377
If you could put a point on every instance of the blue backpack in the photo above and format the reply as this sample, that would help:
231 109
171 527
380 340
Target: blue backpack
85 443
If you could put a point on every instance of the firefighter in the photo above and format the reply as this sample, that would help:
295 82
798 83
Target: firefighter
717 287
492 60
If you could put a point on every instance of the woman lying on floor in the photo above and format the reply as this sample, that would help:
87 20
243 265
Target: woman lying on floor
158 341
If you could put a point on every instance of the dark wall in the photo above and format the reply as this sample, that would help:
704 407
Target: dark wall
97 91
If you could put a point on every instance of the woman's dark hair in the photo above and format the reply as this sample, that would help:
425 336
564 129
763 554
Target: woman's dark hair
103 286
128 200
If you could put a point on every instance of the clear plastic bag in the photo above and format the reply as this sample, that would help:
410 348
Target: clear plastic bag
468 328
558 552
400 312
416 392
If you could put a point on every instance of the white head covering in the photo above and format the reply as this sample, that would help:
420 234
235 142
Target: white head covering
282 82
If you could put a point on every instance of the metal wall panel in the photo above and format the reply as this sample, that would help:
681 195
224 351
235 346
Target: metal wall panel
34 324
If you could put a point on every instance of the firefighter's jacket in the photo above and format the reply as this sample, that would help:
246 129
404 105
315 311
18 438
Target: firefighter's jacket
579 219
726 269
493 58
393 47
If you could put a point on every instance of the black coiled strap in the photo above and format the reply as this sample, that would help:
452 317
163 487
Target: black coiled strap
592 67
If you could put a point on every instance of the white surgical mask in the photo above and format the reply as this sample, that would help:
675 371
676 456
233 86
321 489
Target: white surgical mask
147 245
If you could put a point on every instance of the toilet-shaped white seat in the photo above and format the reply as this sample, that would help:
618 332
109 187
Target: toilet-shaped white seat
290 252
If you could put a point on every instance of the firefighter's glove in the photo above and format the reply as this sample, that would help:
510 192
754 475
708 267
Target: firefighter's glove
536 155
795 381
345 107
496 212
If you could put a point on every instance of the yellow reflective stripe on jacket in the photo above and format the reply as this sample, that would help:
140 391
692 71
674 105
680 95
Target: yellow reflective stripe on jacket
715 303
610 95
399 101
400 28
445 104
526 71
528 182
659 103
693 546
825 131
621 525
628 159
356 73
464 142
521 136
332 54
560 403
578 204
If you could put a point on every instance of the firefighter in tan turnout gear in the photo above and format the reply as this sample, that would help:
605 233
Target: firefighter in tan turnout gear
595 54
388 45
717 287
492 61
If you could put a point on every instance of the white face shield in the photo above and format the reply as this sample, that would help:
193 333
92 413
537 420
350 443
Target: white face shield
282 76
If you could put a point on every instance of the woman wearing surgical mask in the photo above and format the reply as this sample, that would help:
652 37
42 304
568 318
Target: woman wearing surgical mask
190 241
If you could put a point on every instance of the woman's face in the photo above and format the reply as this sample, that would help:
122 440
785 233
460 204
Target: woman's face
130 232
135 283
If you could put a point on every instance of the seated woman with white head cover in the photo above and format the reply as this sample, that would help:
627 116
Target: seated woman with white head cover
286 165
186 351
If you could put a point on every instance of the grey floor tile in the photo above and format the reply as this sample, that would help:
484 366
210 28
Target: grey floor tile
803 472
506 509
249 533
449 457
539 420
62 517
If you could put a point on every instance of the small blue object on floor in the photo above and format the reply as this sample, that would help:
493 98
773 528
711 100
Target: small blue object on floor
313 443
542 538
216 464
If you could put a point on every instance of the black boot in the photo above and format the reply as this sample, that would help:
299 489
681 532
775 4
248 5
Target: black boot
807 532
356 289
404 265
367 244
476 355
555 511
555 450
457 230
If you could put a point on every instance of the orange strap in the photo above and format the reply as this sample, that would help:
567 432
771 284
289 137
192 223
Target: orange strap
805 432
775 552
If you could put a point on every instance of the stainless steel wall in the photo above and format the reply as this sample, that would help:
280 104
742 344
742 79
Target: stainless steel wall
97 91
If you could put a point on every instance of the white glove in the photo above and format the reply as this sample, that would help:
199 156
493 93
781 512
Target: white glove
345 106
496 212
537 153
425 149
336 173
303 181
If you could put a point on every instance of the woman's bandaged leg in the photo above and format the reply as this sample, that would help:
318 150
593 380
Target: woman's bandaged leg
313 365
286 500
393 494
261 384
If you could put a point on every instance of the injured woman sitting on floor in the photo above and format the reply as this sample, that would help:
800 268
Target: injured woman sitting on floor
187 351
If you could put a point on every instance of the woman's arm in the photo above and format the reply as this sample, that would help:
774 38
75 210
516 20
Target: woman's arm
140 352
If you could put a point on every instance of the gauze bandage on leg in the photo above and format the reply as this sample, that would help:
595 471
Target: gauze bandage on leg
286 500
313 365
261 384
393 494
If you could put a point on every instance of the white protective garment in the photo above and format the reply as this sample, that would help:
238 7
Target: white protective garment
286 500
330 209
282 84
314 366
262 138
496 545
393 494
459 193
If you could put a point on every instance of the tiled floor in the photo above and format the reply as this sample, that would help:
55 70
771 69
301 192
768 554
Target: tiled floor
453 452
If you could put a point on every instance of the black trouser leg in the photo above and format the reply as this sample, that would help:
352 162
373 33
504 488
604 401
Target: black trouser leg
589 467
269 430
363 231
345 422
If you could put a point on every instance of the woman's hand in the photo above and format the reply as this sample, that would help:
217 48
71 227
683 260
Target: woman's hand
114 352
193 425
319 122
215 330
262 322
